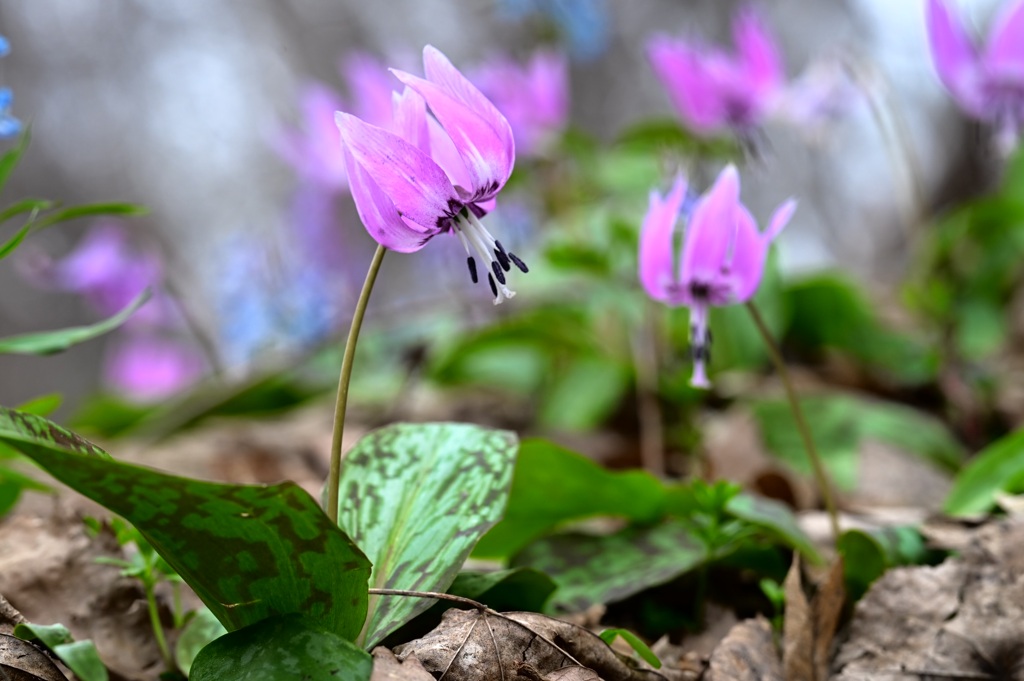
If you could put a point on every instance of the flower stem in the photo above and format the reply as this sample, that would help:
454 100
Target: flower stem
801 423
343 380
158 629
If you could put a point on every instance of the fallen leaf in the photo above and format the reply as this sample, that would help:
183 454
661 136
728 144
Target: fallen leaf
22 661
387 667
747 653
810 624
470 645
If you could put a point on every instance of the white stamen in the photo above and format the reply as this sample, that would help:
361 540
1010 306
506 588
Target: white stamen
472 232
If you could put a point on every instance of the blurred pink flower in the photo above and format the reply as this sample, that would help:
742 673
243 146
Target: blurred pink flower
314 151
534 97
713 90
722 257
147 368
429 176
987 83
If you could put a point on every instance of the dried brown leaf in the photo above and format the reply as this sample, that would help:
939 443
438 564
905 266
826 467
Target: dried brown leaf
470 645
747 653
387 667
810 624
22 661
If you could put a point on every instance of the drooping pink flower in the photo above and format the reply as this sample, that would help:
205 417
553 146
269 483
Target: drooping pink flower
722 257
430 176
987 82
534 97
713 90
314 150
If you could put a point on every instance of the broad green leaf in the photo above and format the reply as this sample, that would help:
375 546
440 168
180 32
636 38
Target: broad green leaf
593 569
44 405
288 647
839 423
641 648
774 517
49 342
11 157
584 393
200 631
993 470
248 551
869 553
830 312
416 498
553 485
79 656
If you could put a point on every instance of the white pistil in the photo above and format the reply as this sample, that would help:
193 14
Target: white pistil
472 232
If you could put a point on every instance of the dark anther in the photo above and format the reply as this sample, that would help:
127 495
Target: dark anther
472 268
494 288
498 274
699 290
518 263
502 259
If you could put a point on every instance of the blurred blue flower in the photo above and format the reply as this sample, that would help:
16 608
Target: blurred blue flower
583 23
9 125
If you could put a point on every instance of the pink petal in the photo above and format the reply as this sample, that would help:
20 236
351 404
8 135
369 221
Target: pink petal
692 91
149 368
441 71
711 233
1005 53
444 153
746 264
954 55
482 151
379 215
418 188
315 151
656 243
370 87
780 218
758 51
410 119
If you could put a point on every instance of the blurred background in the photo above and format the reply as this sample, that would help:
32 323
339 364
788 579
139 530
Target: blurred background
181 107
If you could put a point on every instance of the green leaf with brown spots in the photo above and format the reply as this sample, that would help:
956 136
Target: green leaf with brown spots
416 498
591 569
248 551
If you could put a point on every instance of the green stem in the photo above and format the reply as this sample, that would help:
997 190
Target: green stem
346 374
158 628
801 423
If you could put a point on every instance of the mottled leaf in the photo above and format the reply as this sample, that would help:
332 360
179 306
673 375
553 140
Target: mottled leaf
416 498
49 342
553 485
248 551
288 647
593 569
774 517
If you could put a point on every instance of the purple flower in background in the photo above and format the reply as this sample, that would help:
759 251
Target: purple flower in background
713 90
315 150
534 97
9 125
147 368
987 83
722 258
434 175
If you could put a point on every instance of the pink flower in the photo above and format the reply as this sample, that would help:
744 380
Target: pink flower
533 97
722 258
713 90
315 150
148 368
429 176
987 83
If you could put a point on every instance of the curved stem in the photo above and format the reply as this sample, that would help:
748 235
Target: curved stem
158 629
430 594
343 380
801 423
